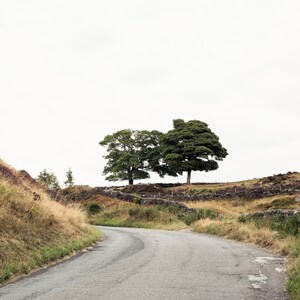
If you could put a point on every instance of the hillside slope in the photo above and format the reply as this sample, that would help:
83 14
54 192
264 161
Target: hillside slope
34 229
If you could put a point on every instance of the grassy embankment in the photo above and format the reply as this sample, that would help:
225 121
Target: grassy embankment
108 211
271 232
35 230
111 212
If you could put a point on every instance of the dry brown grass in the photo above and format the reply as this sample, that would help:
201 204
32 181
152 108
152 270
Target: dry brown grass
230 227
69 215
234 230
30 223
31 227
234 208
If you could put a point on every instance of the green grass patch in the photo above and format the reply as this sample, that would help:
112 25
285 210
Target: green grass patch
45 255
293 285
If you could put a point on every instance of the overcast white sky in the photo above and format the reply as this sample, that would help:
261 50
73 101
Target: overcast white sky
74 71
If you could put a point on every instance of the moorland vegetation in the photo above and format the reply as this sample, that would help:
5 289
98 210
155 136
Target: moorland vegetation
35 230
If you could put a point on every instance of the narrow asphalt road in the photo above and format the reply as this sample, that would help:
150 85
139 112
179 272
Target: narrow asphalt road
153 264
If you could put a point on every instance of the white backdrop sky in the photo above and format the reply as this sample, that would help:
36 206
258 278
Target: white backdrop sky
74 71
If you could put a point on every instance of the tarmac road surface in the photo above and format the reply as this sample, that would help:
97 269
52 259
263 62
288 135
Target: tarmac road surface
154 264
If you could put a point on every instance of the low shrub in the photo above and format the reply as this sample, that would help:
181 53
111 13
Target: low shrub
293 251
94 208
189 216
144 213
193 216
136 199
292 225
294 281
278 222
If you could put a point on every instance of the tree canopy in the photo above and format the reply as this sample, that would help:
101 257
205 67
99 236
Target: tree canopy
191 146
49 179
131 154
69 178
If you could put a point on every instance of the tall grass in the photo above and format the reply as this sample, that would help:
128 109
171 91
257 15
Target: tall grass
35 231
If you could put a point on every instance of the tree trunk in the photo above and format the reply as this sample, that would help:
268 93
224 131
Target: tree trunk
130 181
189 175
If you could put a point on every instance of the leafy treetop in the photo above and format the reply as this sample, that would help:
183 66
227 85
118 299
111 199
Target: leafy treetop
49 179
191 146
70 178
131 154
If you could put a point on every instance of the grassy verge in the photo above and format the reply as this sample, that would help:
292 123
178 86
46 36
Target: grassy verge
293 285
44 256
132 215
36 231
284 240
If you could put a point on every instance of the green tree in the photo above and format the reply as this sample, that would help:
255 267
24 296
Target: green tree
70 178
131 154
191 146
49 179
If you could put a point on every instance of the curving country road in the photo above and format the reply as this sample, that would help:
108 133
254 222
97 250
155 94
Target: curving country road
154 264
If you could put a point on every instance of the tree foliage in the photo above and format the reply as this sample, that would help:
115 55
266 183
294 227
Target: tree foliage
49 179
70 178
131 154
191 146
